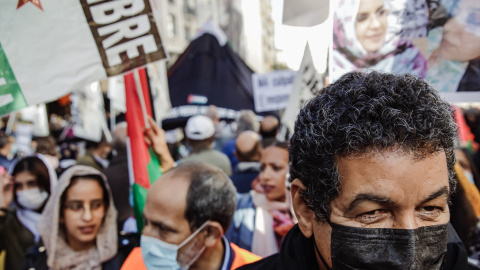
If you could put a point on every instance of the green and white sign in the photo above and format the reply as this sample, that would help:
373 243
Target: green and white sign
50 48
11 97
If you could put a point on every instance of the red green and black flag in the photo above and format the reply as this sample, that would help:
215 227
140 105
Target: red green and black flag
143 161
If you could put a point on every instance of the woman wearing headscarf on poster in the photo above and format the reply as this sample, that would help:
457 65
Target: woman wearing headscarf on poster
361 40
454 63
78 226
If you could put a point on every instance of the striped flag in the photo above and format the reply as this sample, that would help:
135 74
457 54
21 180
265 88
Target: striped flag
143 162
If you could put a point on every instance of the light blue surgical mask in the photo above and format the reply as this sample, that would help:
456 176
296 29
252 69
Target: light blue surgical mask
158 254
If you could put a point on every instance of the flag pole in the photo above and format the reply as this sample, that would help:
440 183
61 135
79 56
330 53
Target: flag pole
140 97
11 121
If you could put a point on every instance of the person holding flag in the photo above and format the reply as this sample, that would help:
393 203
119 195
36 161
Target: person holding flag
148 154
186 214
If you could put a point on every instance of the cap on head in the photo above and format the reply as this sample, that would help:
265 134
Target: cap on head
199 127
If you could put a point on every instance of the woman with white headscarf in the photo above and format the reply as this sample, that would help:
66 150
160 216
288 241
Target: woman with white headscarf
33 181
361 40
78 225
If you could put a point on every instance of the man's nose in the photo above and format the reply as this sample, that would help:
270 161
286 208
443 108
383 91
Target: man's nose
406 221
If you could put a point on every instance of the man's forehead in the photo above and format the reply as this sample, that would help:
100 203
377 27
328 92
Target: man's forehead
168 193
392 174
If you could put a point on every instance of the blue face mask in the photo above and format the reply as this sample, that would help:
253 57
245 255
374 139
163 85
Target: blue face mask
158 254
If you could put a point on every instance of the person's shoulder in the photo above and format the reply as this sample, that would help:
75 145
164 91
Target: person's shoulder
242 256
36 257
134 260
244 200
456 256
267 263
127 242
87 159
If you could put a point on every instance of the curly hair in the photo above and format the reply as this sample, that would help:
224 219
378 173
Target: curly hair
361 113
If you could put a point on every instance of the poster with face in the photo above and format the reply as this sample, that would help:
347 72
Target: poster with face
384 35
454 46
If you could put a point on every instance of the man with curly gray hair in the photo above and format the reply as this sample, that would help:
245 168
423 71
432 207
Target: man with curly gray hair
372 171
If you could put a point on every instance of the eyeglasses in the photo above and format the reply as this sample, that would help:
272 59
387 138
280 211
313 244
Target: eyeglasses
79 206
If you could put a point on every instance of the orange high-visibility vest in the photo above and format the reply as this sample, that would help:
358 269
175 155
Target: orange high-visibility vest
242 257
134 260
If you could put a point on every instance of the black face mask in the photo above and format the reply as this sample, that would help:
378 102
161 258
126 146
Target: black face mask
378 248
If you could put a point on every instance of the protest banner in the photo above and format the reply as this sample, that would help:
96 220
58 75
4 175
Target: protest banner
49 48
305 13
453 49
383 35
88 113
306 85
37 115
272 90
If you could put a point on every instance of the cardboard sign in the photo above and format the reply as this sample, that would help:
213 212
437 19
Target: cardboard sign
272 90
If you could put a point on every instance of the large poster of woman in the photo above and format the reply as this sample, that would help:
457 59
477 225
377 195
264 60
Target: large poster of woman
454 45
379 35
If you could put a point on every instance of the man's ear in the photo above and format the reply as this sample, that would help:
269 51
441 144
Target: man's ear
305 216
214 232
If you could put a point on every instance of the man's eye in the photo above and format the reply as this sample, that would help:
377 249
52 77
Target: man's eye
371 212
372 216
430 212
431 209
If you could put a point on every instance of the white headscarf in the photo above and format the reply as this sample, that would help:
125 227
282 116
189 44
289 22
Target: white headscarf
59 254
397 55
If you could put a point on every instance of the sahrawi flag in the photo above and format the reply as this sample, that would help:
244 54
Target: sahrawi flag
49 48
142 161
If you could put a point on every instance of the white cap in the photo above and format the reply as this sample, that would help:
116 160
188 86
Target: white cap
199 127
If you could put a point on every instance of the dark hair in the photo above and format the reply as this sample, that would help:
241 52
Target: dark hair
269 133
46 145
284 145
211 194
360 113
75 179
473 168
90 145
36 167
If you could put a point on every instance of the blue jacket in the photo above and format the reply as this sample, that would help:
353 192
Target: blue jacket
243 223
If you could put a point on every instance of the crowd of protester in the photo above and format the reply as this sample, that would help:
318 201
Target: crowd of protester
235 192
